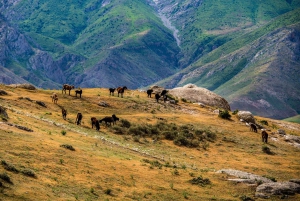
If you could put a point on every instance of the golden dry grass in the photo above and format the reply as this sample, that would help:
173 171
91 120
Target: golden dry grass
106 166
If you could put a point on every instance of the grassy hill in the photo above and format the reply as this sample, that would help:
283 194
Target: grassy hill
295 119
142 162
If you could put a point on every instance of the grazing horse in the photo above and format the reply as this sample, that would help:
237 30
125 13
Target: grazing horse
157 96
149 92
121 90
67 87
112 91
264 136
78 91
253 127
64 113
54 98
110 120
96 123
78 118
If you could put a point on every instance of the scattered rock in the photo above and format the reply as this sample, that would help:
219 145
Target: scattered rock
194 93
277 188
245 175
246 116
41 103
20 127
281 132
24 86
103 104
297 181
2 92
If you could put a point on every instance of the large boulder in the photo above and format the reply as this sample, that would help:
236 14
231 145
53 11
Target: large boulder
246 116
277 188
198 94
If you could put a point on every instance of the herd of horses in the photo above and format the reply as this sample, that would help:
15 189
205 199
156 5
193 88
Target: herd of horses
113 119
264 134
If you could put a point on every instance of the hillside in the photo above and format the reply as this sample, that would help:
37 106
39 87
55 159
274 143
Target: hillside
139 163
257 71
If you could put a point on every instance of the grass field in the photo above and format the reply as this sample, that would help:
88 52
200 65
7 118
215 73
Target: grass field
110 166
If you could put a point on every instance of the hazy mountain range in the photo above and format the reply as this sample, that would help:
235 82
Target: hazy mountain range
246 51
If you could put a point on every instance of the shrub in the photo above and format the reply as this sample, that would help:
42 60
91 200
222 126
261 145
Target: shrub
224 114
181 141
200 181
67 146
125 123
169 135
235 112
5 177
266 149
107 191
246 198
183 100
264 122
28 172
63 132
9 167
135 131
118 130
271 178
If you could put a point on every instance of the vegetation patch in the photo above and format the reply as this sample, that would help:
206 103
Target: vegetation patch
67 146
224 114
9 167
5 177
28 172
200 181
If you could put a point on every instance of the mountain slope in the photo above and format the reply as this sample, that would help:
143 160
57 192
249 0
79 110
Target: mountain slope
258 71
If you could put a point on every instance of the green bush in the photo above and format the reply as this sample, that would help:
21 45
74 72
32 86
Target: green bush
264 122
67 146
235 112
200 181
125 123
63 132
9 166
28 172
224 114
118 130
266 149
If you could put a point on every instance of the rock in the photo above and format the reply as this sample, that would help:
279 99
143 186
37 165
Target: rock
194 93
103 104
2 92
297 181
157 89
24 86
246 116
3 114
24 128
245 175
41 103
281 132
277 188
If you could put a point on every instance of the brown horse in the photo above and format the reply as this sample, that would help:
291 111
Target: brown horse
149 92
96 123
67 87
64 113
264 136
54 98
78 119
78 91
121 90
253 127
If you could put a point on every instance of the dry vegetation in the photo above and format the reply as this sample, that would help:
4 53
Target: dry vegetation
62 161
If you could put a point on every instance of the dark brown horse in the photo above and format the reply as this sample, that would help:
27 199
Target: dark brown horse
64 113
96 123
253 127
121 90
112 91
67 87
78 119
110 120
149 92
78 91
264 136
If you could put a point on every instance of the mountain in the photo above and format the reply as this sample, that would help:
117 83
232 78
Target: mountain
110 43
258 71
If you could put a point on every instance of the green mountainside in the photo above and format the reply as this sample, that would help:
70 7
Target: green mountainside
111 43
